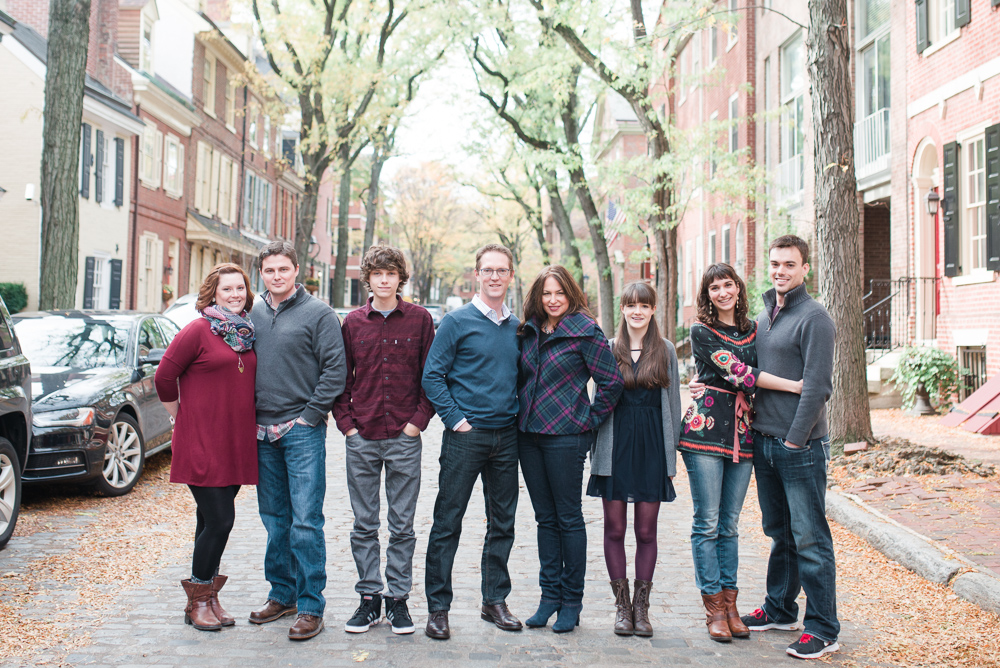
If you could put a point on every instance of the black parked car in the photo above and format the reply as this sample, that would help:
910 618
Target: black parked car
96 413
15 423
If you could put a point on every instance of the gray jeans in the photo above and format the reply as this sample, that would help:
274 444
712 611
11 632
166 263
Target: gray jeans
401 458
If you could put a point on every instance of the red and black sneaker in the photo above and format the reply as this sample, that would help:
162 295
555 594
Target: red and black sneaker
759 621
811 647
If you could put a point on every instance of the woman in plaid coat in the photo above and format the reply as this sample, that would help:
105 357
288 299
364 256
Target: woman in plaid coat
562 349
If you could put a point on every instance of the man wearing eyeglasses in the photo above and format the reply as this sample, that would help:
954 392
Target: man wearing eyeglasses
470 378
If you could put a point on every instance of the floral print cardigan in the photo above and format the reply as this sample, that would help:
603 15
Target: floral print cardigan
725 359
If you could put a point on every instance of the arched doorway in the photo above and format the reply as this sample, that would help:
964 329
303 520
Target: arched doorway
926 178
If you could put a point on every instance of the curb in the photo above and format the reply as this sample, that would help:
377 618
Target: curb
910 549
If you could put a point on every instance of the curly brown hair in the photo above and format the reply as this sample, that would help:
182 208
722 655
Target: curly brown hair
206 293
707 313
387 258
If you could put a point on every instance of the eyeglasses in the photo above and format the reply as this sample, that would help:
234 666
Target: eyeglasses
486 273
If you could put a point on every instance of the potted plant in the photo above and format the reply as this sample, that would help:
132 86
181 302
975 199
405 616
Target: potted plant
926 375
167 294
312 284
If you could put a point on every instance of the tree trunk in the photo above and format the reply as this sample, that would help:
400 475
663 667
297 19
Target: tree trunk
605 281
371 201
343 228
66 66
308 207
837 220
570 253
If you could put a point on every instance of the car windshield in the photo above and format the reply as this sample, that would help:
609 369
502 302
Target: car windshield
84 343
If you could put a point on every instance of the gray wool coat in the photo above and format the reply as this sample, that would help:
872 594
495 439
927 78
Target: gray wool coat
670 404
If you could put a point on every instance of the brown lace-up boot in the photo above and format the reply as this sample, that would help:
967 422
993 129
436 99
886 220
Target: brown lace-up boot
715 618
736 626
198 612
640 609
218 582
623 608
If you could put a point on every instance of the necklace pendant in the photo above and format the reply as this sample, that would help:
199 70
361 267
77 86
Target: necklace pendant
241 364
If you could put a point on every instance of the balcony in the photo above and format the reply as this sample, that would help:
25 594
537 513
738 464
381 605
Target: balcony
790 173
871 144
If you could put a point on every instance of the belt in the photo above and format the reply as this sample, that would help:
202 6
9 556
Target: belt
742 406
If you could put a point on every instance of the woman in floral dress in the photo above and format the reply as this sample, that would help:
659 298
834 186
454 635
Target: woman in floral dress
716 443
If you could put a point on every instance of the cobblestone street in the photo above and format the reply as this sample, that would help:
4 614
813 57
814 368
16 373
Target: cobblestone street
146 627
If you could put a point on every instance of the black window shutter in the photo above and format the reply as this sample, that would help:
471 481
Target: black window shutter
993 197
949 209
115 300
922 39
85 163
119 171
99 172
963 13
88 284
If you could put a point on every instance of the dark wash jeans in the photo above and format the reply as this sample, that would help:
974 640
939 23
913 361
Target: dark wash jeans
791 488
491 453
552 466
290 496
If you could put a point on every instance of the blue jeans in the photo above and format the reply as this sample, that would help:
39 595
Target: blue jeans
491 453
552 466
791 488
718 488
290 498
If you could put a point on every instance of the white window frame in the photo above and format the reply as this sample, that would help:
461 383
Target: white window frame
100 287
972 187
230 105
173 178
710 248
108 171
941 27
252 116
682 65
734 125
725 246
793 108
713 148
146 49
741 249
150 153
695 59
203 179
713 45
734 32
267 135
209 74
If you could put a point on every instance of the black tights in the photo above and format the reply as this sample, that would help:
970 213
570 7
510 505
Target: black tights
644 525
216 514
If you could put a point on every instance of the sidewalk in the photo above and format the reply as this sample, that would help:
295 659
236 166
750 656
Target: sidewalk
960 512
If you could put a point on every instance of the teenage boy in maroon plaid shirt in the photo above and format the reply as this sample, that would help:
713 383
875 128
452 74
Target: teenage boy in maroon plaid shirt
382 412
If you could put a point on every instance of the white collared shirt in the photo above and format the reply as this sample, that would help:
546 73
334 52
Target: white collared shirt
491 313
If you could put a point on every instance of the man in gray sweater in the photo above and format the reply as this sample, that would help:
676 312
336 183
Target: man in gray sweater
301 370
795 337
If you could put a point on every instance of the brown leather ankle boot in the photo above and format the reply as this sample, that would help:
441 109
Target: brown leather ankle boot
198 612
715 618
218 582
736 626
640 609
623 608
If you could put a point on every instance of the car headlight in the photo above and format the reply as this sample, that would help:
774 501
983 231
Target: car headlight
73 417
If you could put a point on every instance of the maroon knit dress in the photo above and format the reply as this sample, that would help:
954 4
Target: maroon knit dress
215 437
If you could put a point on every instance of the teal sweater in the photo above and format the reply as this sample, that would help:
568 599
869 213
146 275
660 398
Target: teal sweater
471 370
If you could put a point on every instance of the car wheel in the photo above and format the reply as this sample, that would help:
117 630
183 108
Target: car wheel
124 457
10 490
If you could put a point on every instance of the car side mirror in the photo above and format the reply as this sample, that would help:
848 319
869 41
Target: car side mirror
152 357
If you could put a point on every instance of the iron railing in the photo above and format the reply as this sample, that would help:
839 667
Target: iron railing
972 363
899 311
871 144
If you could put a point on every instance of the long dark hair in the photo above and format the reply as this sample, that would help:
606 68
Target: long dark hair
707 313
533 308
653 369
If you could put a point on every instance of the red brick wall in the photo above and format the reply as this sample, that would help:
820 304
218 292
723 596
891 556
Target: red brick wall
33 12
961 308
877 243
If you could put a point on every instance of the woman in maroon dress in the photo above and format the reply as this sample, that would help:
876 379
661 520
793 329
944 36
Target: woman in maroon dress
206 382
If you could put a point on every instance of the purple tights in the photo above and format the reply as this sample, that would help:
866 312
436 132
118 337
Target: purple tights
644 525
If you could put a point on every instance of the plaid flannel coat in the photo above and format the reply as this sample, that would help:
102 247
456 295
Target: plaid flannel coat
552 381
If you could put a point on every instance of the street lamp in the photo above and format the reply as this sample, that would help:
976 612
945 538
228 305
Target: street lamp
933 201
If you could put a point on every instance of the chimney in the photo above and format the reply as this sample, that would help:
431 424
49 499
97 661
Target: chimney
219 11
34 13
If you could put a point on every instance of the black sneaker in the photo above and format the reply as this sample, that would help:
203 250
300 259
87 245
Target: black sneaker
398 615
759 621
367 614
811 647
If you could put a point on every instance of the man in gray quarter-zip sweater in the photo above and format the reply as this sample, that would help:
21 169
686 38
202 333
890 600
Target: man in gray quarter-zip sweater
301 370
795 338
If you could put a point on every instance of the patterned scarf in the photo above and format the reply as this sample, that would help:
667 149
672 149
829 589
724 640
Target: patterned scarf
236 330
